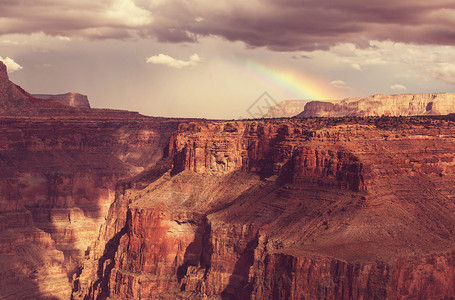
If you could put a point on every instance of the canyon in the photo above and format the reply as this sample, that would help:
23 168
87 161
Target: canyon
285 209
106 204
60 166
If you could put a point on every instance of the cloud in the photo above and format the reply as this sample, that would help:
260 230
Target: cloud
444 72
281 25
356 67
63 38
301 56
11 65
422 62
341 85
104 19
398 87
163 59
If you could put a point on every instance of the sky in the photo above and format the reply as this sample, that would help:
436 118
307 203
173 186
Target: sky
214 59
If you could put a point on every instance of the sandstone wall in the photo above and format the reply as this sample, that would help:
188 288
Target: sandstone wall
353 208
60 166
387 105
286 109
71 99
59 180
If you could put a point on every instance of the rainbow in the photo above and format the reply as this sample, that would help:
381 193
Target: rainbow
301 86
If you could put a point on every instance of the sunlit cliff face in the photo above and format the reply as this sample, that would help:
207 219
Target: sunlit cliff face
286 209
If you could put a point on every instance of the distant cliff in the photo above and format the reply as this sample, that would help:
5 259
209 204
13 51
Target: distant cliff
387 105
71 99
286 109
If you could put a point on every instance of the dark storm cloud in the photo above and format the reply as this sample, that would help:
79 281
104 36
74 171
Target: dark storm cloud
278 25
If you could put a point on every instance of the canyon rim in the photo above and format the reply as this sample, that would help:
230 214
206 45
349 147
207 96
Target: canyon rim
108 204
218 150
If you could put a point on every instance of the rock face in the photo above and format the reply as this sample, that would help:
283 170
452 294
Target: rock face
387 105
60 166
12 97
58 180
286 109
348 208
98 204
15 102
71 99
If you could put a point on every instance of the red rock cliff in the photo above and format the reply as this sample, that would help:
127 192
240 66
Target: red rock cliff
286 109
387 105
320 208
71 99
283 148
60 166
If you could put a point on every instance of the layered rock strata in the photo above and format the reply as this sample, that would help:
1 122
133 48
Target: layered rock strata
288 209
71 99
60 166
99 204
387 105
286 109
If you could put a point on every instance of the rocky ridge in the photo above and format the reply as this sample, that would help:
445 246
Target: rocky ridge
285 209
60 166
16 102
286 109
99 204
71 99
387 105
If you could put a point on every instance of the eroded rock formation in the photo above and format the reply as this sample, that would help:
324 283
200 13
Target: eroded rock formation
60 166
286 109
387 105
71 99
287 209
98 204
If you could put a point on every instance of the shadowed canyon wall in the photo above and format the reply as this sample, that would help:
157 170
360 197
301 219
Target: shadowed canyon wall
60 166
341 208
98 204
60 177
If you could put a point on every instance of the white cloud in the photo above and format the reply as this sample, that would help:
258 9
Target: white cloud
356 67
398 87
11 64
341 85
11 42
63 38
128 14
421 62
163 59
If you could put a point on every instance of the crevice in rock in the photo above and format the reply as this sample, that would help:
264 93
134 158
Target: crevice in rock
104 272
238 287
207 249
198 253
